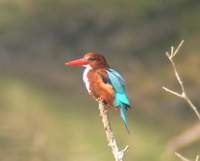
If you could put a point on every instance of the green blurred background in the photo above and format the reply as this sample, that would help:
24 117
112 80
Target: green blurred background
45 111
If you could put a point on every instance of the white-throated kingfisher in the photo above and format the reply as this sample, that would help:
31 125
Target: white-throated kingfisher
103 83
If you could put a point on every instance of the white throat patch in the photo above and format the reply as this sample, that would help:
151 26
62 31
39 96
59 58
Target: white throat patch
85 78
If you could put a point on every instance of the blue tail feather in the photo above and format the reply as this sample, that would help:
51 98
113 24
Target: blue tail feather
122 102
123 115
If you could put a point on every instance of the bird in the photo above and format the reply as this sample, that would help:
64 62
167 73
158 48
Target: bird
103 83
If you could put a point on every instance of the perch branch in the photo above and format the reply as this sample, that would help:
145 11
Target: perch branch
183 94
118 154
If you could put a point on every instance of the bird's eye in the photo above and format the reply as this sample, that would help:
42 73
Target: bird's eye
92 59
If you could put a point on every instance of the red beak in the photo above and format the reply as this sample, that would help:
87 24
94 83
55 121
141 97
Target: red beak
77 62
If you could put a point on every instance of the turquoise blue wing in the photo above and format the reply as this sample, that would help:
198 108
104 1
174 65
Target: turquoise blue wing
118 84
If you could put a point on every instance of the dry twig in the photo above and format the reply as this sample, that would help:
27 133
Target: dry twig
118 154
184 158
181 157
183 94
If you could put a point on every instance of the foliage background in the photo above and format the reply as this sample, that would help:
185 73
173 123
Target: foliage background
45 112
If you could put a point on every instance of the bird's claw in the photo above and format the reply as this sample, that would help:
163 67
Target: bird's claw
99 99
105 110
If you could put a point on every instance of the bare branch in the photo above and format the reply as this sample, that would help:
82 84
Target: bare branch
183 94
118 154
181 157
178 48
172 92
184 158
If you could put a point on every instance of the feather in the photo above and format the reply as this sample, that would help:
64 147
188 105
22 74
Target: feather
123 116
121 99
118 84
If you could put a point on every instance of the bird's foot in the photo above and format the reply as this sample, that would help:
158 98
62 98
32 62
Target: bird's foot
105 109
99 99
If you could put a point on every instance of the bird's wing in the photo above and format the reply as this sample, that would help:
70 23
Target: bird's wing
113 78
116 80
118 84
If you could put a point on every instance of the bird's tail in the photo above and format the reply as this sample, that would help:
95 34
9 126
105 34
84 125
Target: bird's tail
121 110
123 116
122 103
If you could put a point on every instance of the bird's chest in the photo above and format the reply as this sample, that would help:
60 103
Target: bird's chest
96 86
92 80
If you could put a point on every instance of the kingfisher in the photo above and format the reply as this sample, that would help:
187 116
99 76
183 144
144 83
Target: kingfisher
104 83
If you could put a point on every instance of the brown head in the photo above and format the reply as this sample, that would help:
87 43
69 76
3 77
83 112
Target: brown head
95 61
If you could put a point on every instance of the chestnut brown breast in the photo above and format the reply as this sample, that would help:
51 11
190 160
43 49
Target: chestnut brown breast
98 86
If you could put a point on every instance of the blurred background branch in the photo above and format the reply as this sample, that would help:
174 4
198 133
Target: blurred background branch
184 139
193 134
183 95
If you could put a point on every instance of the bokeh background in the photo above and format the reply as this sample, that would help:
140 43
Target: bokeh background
45 112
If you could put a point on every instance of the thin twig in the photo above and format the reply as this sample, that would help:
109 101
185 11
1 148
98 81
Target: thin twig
184 158
118 154
181 157
183 94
